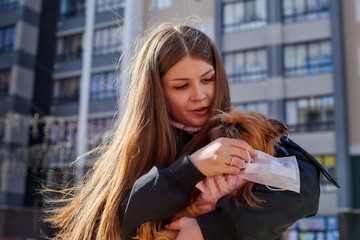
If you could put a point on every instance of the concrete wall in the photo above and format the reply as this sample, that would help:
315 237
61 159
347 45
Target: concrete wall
352 66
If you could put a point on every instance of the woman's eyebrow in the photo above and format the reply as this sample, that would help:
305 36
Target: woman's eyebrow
210 70
184 79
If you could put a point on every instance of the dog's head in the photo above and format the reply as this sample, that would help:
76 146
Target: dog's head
258 130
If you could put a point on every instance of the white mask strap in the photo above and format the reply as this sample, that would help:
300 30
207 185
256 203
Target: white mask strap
249 161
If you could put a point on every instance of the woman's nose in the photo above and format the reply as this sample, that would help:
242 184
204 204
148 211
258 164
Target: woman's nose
198 93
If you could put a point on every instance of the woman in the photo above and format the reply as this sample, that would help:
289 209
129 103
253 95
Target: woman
160 151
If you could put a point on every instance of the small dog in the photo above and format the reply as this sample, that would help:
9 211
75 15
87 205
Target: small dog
259 131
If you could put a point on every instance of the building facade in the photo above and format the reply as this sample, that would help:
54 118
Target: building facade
285 58
24 65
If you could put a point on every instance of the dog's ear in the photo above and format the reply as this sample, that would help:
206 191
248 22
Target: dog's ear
279 128
219 119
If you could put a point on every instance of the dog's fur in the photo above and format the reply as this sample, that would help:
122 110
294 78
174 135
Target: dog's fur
259 131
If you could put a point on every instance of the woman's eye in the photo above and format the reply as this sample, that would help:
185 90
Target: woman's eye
208 79
180 87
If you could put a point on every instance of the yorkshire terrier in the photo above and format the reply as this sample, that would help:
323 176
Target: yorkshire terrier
260 132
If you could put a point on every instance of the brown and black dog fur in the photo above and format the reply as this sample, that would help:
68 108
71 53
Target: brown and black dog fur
259 131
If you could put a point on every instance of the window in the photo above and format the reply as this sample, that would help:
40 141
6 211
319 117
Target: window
63 131
60 177
66 90
7 39
302 10
62 141
107 40
243 15
246 66
69 48
310 114
4 82
6 5
98 126
2 128
307 58
96 130
108 5
261 107
102 85
71 8
208 28
329 163
161 4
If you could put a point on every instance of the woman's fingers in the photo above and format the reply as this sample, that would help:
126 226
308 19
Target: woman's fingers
174 226
189 229
238 162
224 155
239 148
240 144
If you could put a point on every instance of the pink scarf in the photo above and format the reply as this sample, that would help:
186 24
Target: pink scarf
184 127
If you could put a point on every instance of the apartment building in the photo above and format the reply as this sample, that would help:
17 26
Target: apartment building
104 50
41 55
285 58
25 62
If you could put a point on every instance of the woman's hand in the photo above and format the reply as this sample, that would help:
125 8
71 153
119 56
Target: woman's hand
188 227
224 155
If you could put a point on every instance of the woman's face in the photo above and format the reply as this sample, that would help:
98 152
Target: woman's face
189 88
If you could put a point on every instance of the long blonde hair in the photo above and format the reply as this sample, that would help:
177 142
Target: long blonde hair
90 211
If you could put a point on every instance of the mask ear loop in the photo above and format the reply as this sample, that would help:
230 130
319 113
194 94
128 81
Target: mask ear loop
275 189
244 166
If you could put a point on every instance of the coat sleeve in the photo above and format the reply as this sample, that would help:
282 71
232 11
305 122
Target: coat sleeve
281 209
159 194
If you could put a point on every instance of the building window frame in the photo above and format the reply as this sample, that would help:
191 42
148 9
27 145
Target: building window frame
66 90
307 58
72 9
69 47
109 5
103 85
161 4
258 106
7 5
246 65
107 40
7 38
304 10
244 15
328 161
4 82
309 114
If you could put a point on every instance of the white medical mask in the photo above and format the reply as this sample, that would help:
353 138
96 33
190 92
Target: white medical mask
281 173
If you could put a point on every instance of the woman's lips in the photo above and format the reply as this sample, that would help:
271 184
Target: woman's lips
201 111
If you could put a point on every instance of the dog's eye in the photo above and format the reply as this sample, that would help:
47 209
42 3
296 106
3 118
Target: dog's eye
239 128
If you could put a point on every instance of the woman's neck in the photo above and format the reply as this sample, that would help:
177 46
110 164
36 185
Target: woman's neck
184 127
